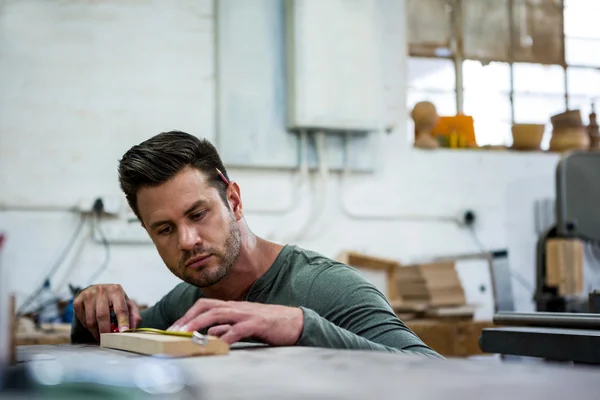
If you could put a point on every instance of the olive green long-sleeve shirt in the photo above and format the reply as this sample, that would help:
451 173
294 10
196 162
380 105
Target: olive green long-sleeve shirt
342 309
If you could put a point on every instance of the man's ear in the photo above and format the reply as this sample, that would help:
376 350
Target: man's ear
234 197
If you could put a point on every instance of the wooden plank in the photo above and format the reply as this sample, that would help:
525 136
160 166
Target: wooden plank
26 333
409 307
435 284
465 311
157 344
56 327
41 338
564 265
366 261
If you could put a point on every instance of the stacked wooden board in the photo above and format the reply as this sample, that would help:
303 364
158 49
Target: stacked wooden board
433 287
432 290
430 299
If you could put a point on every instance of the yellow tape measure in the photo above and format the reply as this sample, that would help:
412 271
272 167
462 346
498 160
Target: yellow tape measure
161 332
196 337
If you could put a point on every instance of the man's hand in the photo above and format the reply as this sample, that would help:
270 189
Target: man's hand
234 320
92 306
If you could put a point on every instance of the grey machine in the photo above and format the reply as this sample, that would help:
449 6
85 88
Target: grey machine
562 329
577 216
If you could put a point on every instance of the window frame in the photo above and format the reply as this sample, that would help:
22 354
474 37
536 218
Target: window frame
456 56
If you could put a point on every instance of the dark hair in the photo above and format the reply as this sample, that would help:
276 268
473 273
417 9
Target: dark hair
160 158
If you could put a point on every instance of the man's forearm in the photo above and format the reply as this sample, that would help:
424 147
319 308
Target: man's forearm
319 332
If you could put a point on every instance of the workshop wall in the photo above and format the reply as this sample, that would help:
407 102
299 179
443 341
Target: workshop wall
82 82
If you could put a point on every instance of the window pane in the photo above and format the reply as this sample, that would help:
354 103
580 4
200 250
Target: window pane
535 78
431 74
538 35
487 105
582 51
583 81
537 109
581 18
492 131
486 32
494 76
445 102
429 26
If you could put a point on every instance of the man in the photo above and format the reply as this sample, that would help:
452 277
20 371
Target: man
236 285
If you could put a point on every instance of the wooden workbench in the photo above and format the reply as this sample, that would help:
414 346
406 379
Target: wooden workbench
311 373
447 337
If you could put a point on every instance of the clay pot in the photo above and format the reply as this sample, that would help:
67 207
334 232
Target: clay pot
527 136
569 118
570 138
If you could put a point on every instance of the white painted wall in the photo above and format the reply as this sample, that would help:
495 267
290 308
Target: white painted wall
83 81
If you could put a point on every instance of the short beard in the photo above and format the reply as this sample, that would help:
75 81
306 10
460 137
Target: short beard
227 258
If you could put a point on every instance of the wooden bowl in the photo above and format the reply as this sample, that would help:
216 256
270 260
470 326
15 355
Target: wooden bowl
527 136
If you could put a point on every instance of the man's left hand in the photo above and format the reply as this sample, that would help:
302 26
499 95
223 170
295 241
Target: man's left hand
234 320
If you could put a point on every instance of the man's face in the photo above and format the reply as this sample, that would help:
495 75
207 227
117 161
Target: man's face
195 233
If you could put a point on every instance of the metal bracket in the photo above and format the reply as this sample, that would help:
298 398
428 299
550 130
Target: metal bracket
199 338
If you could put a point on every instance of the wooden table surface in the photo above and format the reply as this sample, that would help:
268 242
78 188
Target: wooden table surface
303 373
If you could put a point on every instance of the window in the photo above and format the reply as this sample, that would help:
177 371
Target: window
487 97
502 61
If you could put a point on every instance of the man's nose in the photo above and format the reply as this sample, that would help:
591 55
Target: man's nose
188 238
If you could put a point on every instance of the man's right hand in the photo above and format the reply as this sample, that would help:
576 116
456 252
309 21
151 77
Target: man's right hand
92 309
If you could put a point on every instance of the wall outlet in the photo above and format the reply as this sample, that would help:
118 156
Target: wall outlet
112 205
467 218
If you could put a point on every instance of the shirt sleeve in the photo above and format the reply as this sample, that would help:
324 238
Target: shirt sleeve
346 311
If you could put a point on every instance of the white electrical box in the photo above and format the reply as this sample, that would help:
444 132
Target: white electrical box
334 68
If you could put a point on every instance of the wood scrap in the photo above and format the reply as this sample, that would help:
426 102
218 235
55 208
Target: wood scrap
42 338
165 345
26 333
434 284
55 327
564 265
458 312
24 325
409 307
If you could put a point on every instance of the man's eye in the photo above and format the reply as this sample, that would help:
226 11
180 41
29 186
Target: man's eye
165 231
198 216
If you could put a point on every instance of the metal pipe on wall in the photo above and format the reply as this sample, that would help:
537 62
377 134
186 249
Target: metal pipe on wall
549 320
